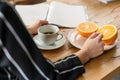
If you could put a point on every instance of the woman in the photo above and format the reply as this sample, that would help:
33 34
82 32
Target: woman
20 59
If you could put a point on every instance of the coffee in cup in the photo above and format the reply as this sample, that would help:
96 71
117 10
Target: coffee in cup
49 34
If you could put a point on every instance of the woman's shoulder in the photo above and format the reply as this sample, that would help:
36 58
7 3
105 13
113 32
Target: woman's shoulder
3 4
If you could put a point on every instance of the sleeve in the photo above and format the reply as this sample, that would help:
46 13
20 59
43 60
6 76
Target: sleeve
70 67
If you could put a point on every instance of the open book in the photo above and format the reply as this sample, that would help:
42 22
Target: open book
56 13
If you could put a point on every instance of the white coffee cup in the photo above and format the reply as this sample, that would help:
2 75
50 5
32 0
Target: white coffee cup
49 34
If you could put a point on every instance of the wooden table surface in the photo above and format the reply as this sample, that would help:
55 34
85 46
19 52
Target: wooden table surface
105 66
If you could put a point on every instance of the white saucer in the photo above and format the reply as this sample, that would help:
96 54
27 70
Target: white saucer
77 40
43 46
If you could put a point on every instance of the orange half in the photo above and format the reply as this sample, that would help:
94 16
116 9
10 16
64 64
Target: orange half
109 33
87 28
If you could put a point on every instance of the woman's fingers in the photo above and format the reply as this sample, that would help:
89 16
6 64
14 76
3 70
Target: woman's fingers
33 28
43 22
99 37
93 35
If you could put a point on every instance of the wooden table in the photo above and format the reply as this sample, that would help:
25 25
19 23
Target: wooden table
105 66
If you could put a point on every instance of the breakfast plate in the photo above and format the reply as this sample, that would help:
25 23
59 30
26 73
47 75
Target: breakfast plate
77 40
43 46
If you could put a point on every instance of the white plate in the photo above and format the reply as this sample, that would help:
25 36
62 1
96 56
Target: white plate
77 40
43 46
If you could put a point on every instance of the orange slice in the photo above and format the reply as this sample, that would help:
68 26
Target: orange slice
87 28
109 33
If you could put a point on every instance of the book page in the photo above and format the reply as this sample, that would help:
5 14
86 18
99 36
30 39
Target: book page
31 13
66 15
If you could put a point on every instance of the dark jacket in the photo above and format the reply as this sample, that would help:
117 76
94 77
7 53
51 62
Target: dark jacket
20 59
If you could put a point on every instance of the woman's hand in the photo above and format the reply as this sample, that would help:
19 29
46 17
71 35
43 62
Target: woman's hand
92 48
94 45
33 28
